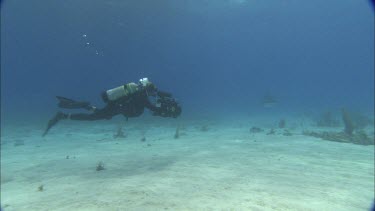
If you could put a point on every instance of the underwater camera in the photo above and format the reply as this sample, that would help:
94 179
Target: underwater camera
169 107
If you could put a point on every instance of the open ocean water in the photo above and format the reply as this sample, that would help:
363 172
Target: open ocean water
276 98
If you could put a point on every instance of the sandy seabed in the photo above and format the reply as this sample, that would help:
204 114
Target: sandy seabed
211 166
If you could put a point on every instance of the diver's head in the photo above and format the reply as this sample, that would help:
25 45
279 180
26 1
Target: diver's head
148 86
144 82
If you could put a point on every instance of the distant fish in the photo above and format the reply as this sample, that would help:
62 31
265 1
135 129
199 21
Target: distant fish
269 101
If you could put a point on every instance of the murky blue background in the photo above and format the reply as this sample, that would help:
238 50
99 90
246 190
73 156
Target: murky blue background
218 56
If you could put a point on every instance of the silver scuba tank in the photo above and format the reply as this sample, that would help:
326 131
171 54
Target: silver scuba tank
121 91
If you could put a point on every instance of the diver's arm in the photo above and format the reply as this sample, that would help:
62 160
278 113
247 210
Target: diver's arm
151 106
163 94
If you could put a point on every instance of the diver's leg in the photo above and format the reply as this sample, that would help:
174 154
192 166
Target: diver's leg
106 113
72 104
90 117
58 116
98 114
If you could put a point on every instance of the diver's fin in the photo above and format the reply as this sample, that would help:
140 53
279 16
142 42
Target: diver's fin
58 116
71 104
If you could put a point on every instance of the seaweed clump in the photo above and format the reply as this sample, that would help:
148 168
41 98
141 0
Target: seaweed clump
271 132
359 137
360 121
100 166
204 128
177 133
348 122
41 188
287 133
349 135
282 123
327 119
256 130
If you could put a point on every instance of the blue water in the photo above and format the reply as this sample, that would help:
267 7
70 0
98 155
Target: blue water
215 56
219 58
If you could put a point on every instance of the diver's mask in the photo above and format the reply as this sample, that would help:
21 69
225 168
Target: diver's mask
148 87
144 82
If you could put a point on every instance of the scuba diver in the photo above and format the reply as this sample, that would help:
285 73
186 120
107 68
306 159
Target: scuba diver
129 100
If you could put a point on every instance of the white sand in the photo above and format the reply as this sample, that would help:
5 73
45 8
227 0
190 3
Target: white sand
224 168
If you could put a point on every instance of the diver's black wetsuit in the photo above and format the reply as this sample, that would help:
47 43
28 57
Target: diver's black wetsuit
129 106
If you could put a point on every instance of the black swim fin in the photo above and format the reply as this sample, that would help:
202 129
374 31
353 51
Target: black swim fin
72 104
58 116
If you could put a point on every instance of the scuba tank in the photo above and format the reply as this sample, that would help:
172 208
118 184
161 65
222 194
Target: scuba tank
119 92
